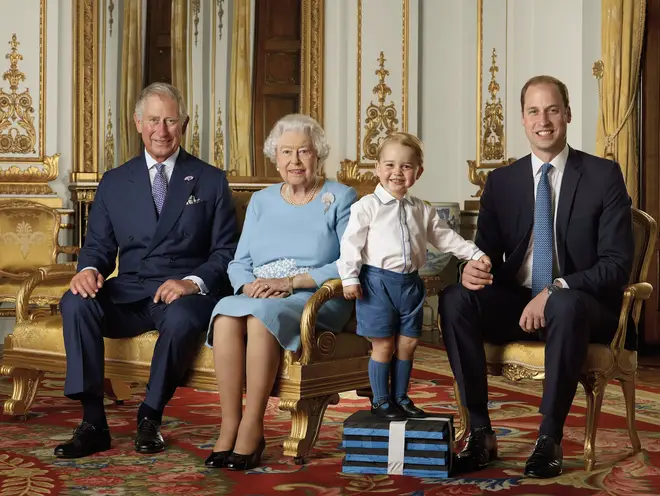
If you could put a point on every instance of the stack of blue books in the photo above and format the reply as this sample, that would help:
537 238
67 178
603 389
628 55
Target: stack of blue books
416 447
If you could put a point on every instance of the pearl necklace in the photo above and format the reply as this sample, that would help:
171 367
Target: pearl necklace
308 198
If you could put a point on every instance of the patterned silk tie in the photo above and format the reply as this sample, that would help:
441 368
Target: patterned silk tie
159 188
543 234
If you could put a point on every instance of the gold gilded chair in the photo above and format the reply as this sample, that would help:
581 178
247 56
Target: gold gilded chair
29 240
525 360
307 382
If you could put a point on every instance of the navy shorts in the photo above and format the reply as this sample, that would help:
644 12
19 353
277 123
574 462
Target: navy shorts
391 303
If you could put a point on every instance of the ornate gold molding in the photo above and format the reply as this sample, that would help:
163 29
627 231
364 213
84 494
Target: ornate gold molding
196 8
363 182
405 7
16 112
111 8
85 101
219 142
32 180
311 94
194 147
221 13
493 123
109 142
381 118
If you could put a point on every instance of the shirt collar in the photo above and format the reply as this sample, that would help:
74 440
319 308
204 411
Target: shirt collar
169 162
386 197
559 162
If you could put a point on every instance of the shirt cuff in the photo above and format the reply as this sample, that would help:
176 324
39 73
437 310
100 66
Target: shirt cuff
90 268
564 284
478 255
202 287
351 281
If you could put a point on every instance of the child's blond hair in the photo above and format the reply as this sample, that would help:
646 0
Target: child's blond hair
405 139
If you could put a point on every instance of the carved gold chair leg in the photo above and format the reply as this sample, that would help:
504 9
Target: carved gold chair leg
26 385
628 388
117 390
464 428
306 420
594 387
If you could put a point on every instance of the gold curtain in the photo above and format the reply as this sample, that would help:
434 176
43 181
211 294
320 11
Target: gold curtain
131 79
240 93
622 34
179 50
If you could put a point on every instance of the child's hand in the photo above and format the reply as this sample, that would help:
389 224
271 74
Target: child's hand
352 292
486 260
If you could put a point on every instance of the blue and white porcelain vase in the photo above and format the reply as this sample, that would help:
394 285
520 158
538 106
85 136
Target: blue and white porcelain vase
435 260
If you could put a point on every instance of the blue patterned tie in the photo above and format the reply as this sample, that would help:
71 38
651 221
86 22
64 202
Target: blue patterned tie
543 234
159 188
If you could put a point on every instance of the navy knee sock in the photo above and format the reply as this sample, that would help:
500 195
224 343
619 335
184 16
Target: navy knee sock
401 378
379 374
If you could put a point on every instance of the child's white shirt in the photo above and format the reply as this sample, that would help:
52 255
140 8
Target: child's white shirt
393 234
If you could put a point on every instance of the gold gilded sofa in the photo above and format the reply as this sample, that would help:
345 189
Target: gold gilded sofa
526 360
28 240
308 380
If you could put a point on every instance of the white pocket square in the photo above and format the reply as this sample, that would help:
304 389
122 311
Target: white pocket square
193 200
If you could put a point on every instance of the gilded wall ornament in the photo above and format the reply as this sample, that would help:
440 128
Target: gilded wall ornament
219 142
194 147
17 132
196 8
109 142
111 8
492 144
221 14
381 118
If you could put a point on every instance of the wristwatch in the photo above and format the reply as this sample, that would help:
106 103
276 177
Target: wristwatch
552 288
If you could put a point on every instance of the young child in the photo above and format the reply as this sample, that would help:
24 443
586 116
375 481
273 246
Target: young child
381 250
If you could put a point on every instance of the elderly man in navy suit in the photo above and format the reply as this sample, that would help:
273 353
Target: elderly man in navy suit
557 225
170 217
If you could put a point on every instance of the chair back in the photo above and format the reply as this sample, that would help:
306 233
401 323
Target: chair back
645 230
28 237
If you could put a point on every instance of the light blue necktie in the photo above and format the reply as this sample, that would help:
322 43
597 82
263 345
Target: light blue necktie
159 188
543 234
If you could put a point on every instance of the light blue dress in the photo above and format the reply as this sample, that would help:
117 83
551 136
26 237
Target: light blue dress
278 240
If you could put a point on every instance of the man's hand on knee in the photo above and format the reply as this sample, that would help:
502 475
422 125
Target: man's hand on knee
86 283
476 274
533 316
172 290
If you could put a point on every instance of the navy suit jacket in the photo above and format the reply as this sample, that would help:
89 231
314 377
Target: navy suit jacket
186 239
593 228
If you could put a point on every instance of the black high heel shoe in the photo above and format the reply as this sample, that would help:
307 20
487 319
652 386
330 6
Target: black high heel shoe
237 461
218 459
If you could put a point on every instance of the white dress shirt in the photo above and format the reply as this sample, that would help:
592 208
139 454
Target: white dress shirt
169 167
555 175
393 234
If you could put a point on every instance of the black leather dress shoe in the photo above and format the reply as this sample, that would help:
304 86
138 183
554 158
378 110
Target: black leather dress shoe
217 459
409 409
546 459
87 440
149 439
236 461
388 410
479 450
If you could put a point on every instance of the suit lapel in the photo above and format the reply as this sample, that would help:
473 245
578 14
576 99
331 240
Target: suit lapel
178 192
526 211
144 203
569 184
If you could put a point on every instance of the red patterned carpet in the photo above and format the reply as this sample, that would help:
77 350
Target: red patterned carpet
27 465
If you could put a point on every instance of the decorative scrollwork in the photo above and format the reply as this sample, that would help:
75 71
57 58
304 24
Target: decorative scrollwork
515 372
194 148
111 8
196 8
219 141
33 174
221 13
493 122
326 343
16 111
109 142
381 118
363 182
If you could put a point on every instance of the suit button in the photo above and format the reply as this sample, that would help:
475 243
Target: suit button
185 235
141 280
130 238
143 260
171 260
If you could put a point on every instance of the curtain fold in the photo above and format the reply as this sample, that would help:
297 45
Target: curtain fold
131 79
179 34
622 35
240 93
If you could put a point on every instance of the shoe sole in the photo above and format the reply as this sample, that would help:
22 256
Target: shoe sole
532 475
144 451
71 457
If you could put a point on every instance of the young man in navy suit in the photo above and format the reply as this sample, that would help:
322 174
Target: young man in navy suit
170 217
557 225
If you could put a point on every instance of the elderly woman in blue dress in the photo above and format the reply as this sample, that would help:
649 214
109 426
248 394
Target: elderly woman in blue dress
288 249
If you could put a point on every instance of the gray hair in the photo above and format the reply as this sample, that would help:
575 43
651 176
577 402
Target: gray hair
300 123
161 89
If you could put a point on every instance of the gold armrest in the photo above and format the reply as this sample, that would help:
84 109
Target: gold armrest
633 296
329 290
53 272
68 250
